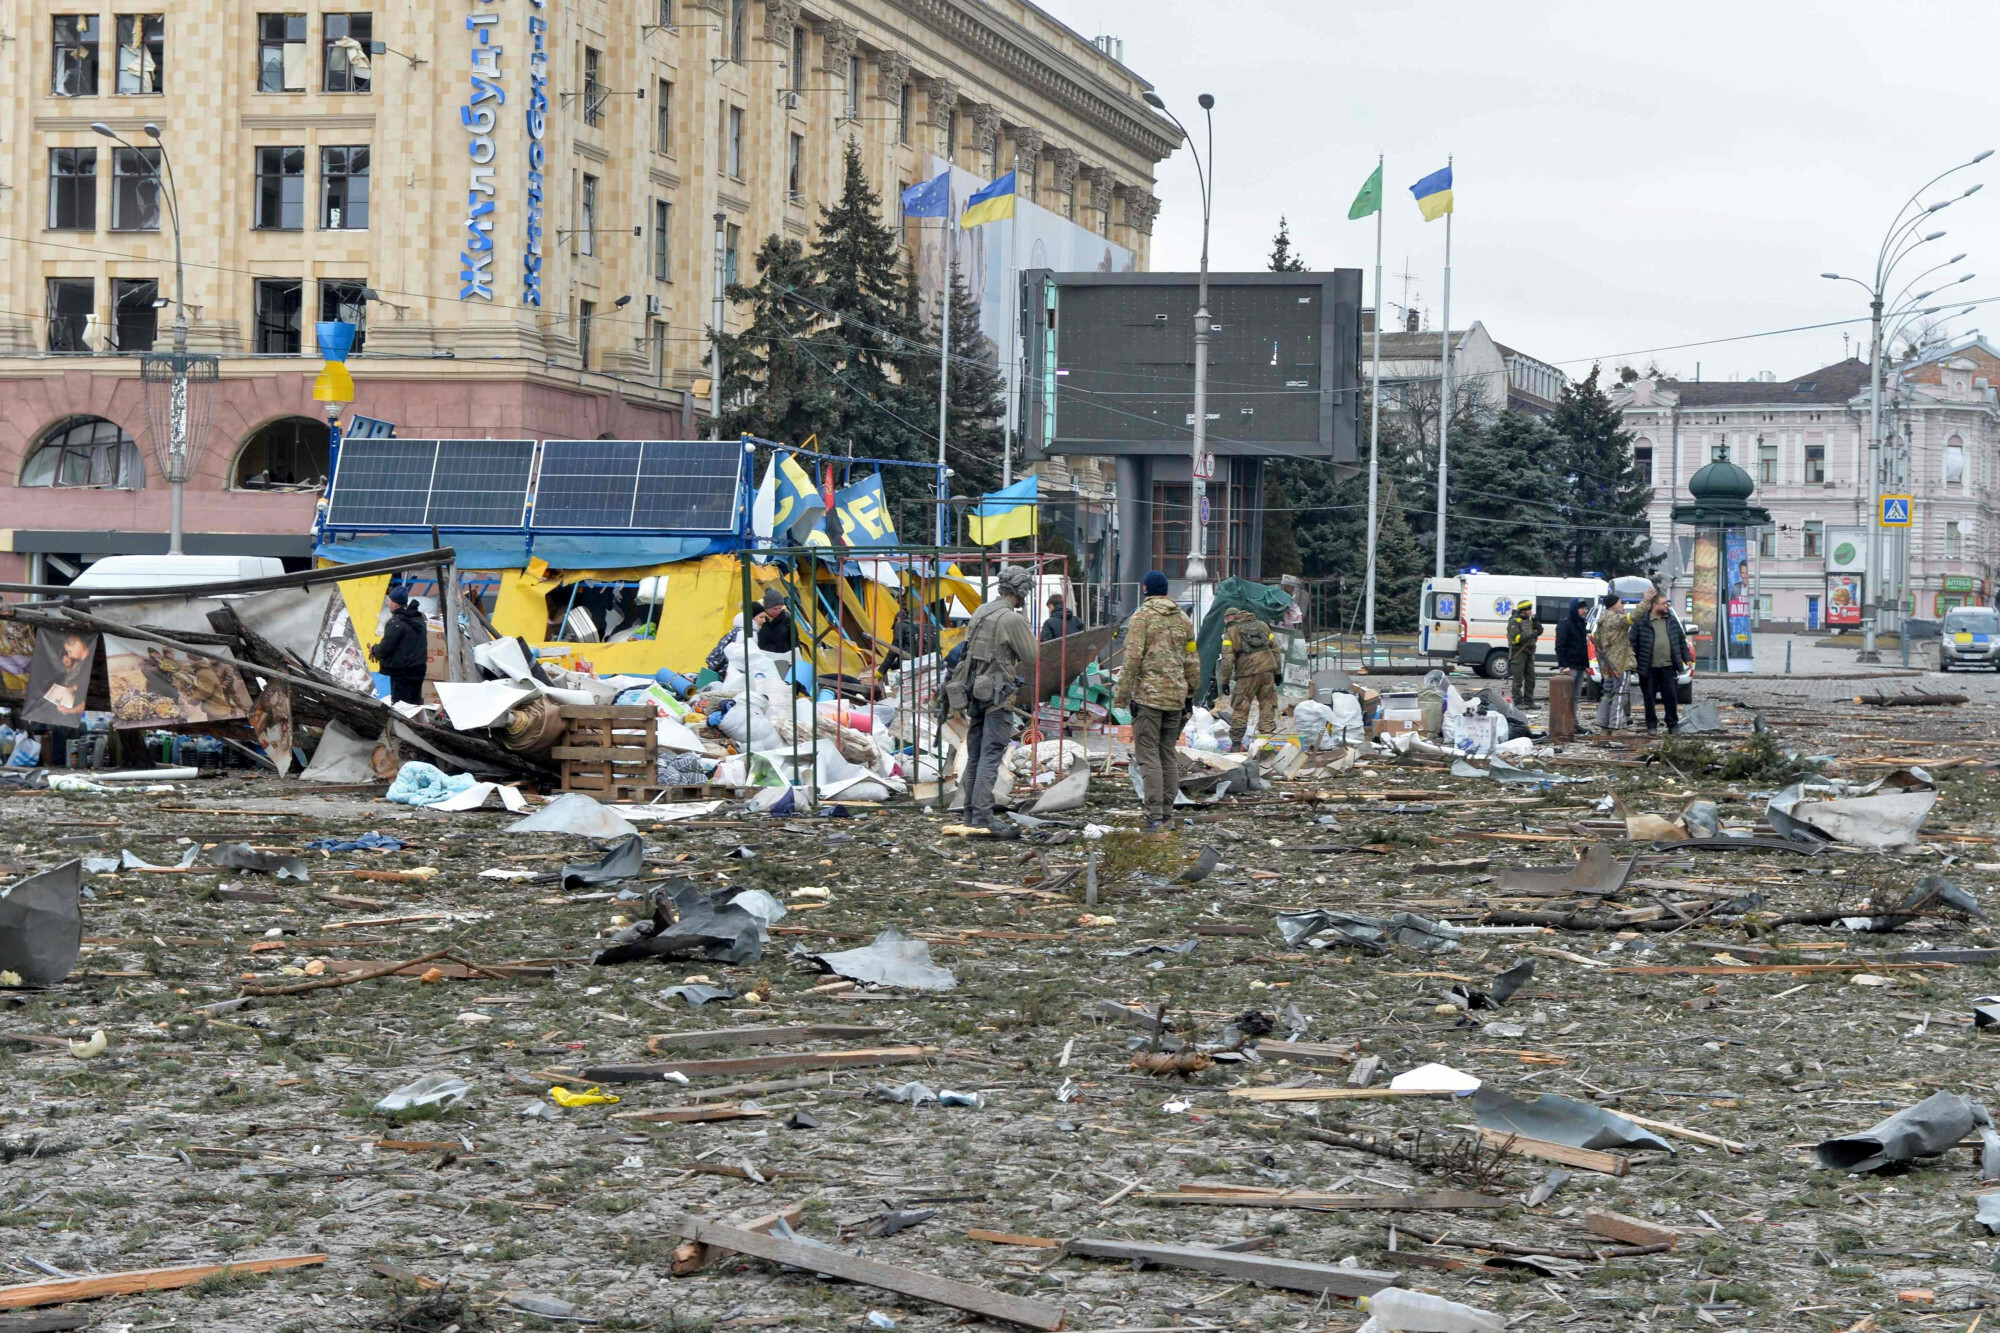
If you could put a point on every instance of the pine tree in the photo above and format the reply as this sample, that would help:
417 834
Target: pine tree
1505 511
863 291
777 378
978 393
1409 447
1330 520
1608 532
1281 546
1282 258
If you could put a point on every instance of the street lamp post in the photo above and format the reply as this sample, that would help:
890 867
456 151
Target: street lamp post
1197 565
177 465
1896 246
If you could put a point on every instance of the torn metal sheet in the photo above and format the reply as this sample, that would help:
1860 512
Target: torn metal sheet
1510 981
1927 1129
892 960
1373 933
1986 1011
1554 1118
127 861
242 856
1700 718
574 812
1729 843
41 924
483 704
625 859
702 924
1988 1215
762 905
341 756
1597 873
1501 771
1067 793
1886 813
696 994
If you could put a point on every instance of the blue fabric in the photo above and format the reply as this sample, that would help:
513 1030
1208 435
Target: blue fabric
476 550
425 784
929 199
480 550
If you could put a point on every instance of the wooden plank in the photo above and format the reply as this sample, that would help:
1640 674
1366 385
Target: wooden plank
58 1291
903 1281
692 1115
42 1323
1290 1274
1762 969
1314 1201
606 712
760 1064
1304 1050
1331 1094
1682 1131
692 1256
761 1036
1628 1229
1008 1238
447 971
1588 1158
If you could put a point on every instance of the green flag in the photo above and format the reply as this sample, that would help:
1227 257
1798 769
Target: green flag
1370 198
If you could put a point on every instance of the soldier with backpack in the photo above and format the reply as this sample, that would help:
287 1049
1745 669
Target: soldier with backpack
1248 669
999 652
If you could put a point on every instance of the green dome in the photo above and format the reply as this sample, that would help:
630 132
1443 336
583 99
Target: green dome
1721 481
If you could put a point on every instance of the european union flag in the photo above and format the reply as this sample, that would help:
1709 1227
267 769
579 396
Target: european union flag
929 199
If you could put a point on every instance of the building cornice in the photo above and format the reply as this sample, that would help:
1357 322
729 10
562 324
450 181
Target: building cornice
1036 65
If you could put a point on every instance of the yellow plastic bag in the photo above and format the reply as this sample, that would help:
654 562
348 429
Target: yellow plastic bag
595 1097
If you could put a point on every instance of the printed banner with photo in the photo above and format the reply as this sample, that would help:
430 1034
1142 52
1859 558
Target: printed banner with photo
17 650
271 723
152 686
338 653
59 677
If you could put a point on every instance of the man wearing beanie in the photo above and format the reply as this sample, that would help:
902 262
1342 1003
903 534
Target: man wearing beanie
1157 682
404 649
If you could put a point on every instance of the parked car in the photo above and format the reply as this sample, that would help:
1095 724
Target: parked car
1970 638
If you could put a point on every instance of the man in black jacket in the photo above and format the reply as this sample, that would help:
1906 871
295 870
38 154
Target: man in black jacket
1061 622
775 633
1573 654
1659 646
404 649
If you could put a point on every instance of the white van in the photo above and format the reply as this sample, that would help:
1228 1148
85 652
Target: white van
1464 618
174 571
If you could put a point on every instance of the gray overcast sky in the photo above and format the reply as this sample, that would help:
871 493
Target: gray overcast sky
1626 177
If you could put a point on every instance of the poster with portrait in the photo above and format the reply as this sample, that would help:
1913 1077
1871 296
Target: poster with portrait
17 651
338 653
1736 569
1705 630
271 723
152 686
59 677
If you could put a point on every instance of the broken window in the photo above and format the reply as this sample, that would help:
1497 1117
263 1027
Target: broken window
72 314
343 183
278 306
1954 462
595 94
142 53
345 300
281 189
73 189
135 314
588 216
86 451
76 37
281 53
135 189
346 67
289 452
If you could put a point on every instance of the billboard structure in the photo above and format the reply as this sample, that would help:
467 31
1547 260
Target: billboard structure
1108 371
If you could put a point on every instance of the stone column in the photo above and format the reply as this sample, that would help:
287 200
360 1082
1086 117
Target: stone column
986 137
1027 160
1066 163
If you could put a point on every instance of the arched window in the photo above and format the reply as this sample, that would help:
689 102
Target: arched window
286 454
86 451
1954 461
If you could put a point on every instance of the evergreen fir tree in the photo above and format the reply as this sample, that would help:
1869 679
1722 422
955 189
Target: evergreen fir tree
1505 511
1283 260
777 373
1410 450
1608 532
1281 546
977 389
863 292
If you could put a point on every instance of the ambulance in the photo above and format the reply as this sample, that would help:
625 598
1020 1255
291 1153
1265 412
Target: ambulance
1463 619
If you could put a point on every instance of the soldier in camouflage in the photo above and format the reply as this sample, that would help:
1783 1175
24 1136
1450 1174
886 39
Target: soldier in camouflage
1524 635
1248 668
1157 682
999 653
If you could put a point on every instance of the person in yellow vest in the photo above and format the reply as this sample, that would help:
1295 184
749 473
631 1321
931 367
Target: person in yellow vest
1248 668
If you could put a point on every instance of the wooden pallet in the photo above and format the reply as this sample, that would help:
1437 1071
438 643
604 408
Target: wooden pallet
610 752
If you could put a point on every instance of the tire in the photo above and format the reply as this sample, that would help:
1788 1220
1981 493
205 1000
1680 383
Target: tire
1684 694
1495 665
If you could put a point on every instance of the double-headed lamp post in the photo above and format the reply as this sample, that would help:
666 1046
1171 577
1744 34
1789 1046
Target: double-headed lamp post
176 463
1898 244
1197 565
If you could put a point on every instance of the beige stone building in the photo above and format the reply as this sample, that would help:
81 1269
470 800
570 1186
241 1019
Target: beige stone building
517 199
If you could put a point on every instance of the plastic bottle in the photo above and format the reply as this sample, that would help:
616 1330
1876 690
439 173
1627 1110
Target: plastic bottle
1419 1312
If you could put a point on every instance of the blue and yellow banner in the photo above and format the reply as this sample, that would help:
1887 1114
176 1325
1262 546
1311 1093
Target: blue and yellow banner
796 504
991 204
1433 195
1004 514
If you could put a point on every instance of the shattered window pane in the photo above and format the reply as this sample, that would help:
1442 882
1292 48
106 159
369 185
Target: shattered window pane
142 48
76 38
346 63
135 189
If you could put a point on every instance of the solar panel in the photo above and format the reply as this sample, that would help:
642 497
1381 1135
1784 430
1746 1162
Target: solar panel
670 485
391 483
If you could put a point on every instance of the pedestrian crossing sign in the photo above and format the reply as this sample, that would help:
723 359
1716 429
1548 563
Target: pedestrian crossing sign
1895 511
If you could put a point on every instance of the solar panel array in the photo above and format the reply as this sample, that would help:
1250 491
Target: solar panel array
671 485
417 483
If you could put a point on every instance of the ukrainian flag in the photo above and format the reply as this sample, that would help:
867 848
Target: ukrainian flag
1006 513
797 505
1433 194
991 204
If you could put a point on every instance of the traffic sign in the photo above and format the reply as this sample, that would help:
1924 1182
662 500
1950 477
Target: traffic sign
1895 511
1204 510
1206 469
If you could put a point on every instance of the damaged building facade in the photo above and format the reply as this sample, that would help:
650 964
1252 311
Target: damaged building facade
525 206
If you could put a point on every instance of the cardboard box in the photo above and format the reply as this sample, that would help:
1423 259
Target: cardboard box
1387 725
1474 735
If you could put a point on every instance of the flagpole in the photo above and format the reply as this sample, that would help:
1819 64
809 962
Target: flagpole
944 353
1374 423
1444 406
1012 298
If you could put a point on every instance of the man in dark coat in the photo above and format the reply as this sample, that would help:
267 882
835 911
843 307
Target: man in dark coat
1062 622
1573 653
404 649
775 633
1660 646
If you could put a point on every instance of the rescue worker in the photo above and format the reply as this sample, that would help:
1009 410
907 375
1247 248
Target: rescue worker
999 653
1613 637
1524 634
1659 647
1247 668
1157 683
1573 656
